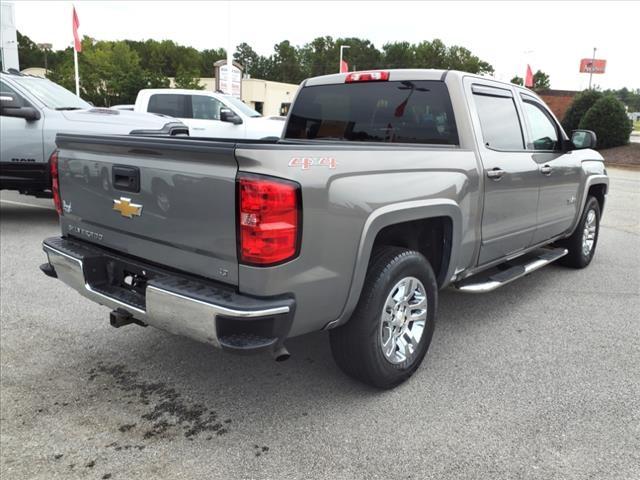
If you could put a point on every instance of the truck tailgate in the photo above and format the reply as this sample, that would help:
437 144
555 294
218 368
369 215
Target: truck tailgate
169 201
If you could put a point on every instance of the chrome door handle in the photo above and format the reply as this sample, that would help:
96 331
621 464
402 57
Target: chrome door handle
546 170
495 174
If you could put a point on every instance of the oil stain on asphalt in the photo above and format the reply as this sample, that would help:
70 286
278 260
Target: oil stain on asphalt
167 409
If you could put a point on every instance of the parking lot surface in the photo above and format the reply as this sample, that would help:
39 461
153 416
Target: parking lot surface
539 379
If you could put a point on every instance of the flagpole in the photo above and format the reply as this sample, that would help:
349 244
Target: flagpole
229 53
75 64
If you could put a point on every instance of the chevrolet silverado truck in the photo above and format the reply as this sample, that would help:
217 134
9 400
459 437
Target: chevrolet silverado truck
385 187
33 110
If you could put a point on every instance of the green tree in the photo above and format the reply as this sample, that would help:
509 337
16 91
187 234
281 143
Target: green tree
320 57
29 53
154 80
459 58
189 79
431 54
208 58
110 73
398 55
247 57
361 55
608 119
582 102
286 63
517 80
541 81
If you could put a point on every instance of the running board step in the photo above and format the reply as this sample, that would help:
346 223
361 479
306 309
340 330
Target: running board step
512 270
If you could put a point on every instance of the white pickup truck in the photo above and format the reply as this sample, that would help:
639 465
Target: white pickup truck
209 114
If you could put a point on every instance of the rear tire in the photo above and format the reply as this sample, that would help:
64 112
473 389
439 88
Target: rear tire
389 334
582 242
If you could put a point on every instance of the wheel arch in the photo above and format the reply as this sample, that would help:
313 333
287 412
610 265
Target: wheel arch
445 211
597 186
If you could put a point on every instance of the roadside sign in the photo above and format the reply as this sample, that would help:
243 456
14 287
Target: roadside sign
222 72
592 65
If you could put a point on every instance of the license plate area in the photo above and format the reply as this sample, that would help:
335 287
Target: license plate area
122 281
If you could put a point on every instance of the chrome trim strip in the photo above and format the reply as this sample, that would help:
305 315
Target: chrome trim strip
490 285
224 310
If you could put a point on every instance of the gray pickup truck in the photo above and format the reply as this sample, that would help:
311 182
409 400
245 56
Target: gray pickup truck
385 187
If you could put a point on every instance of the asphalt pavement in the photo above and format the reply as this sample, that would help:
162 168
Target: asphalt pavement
537 380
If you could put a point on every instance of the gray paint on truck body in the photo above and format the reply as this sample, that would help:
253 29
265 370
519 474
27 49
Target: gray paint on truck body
344 208
196 233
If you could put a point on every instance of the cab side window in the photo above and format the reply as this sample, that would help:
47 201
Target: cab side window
4 88
205 107
544 132
499 121
170 104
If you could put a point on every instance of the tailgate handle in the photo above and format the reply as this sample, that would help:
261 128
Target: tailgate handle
126 178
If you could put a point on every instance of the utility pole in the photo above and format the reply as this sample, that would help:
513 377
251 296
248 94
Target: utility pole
593 61
342 47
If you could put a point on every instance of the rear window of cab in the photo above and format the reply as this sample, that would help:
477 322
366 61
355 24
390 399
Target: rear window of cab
383 112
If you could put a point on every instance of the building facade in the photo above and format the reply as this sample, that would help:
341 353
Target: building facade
267 97
558 100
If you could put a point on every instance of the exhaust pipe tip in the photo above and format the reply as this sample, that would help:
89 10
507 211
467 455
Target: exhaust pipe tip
280 354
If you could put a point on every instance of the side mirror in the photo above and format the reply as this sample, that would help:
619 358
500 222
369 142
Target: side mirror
227 115
583 139
10 106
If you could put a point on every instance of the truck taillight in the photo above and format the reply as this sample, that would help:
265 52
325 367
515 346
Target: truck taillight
375 76
269 220
55 181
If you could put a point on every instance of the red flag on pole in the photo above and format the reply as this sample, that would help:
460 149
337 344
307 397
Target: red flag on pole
76 38
528 79
344 67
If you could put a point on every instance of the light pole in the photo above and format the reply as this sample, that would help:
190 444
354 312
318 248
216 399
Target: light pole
342 47
45 47
593 61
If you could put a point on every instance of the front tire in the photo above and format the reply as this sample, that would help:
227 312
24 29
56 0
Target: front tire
582 242
389 333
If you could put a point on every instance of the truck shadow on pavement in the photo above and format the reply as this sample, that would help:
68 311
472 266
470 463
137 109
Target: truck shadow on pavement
19 215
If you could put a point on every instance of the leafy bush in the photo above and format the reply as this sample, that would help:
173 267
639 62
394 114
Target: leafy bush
609 120
582 102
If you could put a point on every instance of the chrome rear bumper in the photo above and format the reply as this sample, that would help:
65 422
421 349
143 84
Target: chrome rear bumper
169 303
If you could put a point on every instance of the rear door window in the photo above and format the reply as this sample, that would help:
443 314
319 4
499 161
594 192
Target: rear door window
171 104
501 129
384 112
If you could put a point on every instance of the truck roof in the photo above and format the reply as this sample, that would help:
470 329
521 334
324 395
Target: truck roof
399 74
181 91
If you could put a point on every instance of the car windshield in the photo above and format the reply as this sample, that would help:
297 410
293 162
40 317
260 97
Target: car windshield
243 107
52 95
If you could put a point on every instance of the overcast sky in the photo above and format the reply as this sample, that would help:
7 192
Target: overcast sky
551 36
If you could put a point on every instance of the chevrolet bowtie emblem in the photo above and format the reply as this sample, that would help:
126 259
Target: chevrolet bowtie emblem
126 208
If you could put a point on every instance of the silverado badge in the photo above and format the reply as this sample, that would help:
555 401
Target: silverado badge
126 208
